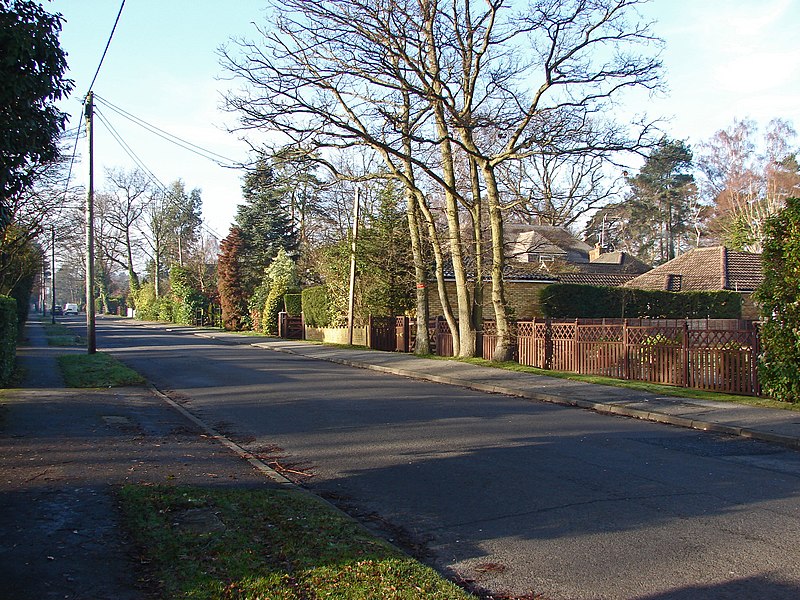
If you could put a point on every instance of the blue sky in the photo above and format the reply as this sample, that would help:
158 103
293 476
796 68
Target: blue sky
724 59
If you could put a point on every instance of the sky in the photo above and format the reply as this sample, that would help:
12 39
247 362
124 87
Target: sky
724 60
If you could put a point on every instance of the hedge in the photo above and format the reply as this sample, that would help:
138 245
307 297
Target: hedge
316 306
293 304
563 300
8 338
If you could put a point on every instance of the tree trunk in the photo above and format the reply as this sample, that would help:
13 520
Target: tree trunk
503 350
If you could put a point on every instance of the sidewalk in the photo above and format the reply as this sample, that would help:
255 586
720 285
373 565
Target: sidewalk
765 424
63 452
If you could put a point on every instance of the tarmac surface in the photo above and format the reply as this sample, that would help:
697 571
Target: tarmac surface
63 452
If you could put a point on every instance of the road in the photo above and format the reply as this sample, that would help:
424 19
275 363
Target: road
517 496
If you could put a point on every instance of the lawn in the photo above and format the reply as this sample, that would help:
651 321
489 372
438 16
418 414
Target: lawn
265 544
98 370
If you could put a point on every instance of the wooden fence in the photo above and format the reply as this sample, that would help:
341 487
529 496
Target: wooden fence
710 354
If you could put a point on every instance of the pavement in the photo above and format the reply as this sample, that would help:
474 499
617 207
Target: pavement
64 452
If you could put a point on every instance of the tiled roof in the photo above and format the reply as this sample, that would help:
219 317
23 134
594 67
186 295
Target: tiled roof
602 279
623 261
704 269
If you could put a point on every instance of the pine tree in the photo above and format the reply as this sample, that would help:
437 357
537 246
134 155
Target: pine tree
264 224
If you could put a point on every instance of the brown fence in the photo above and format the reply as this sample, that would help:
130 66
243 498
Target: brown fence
701 354
709 354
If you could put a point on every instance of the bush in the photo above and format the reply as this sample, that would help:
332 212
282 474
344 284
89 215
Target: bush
146 303
574 301
187 301
779 296
315 306
8 338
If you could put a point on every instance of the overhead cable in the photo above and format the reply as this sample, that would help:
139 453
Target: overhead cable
215 157
108 43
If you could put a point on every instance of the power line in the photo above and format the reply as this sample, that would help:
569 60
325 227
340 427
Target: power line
145 169
108 43
178 141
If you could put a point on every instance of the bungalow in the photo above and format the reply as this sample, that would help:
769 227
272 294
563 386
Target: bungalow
708 269
539 255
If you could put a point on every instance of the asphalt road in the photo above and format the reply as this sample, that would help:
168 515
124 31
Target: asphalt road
517 496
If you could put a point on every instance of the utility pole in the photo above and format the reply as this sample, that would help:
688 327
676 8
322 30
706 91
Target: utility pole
351 298
91 339
52 274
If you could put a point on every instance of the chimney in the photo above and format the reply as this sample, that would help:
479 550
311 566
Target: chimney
595 252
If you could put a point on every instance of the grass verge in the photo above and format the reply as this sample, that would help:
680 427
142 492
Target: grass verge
97 370
653 388
204 543
61 336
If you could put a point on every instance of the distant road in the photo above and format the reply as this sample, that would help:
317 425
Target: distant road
519 497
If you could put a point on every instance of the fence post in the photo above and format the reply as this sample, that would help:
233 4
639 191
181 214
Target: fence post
548 344
626 359
755 350
685 353
576 355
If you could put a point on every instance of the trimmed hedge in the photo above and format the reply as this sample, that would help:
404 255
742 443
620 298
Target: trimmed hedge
293 303
564 300
316 306
8 338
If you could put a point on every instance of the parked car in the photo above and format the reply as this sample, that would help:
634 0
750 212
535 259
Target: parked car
70 309
57 310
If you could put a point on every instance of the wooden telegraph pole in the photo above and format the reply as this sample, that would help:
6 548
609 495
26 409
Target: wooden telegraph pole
91 339
52 274
351 299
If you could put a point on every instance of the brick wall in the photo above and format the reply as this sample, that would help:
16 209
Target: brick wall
522 297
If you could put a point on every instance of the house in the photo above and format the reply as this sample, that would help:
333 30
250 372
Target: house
708 269
540 255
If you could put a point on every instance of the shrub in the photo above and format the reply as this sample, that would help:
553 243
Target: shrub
779 296
187 300
315 305
8 338
574 301
146 303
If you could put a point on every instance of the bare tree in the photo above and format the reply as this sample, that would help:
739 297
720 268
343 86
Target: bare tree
432 85
127 199
748 179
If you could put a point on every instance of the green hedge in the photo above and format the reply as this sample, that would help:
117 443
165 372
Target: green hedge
563 300
8 338
316 306
294 304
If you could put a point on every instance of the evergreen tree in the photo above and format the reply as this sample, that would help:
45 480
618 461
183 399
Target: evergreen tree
264 223
778 295
32 67
232 295
657 219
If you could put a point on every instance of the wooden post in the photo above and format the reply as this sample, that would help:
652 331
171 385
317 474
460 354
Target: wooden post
626 359
91 340
685 353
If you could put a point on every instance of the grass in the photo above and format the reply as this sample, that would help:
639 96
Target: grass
654 388
98 370
62 336
204 544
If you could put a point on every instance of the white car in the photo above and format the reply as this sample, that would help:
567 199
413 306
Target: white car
70 309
